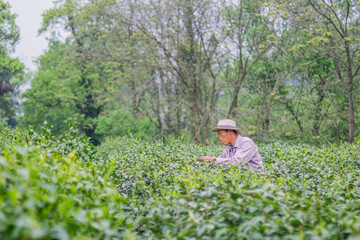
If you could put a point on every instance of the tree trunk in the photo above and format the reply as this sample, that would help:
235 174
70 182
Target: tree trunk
298 122
351 115
196 124
157 94
350 92
317 117
235 98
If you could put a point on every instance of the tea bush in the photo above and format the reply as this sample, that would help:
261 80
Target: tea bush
126 188
306 192
48 191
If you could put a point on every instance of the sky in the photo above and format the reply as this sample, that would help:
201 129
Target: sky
29 20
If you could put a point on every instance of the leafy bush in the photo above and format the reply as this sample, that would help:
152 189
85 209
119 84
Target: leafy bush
48 191
127 188
306 192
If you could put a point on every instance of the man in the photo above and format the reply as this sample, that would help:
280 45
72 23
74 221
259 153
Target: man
240 150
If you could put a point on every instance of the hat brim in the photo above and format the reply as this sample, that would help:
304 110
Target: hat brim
239 131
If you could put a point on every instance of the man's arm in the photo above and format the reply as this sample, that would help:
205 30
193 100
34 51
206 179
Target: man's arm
207 158
210 159
242 155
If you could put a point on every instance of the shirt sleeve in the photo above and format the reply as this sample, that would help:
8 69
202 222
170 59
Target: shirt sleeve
241 156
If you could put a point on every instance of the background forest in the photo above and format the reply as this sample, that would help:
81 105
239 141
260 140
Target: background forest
286 70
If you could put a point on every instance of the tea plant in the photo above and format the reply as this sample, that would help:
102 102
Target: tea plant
65 188
306 192
48 191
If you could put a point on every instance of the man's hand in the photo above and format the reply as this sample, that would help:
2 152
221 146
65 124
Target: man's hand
207 159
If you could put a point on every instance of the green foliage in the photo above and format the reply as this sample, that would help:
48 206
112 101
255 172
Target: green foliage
9 31
11 69
306 192
50 190
127 188
51 97
118 123
275 67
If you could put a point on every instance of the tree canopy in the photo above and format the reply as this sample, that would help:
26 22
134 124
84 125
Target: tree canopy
11 69
281 69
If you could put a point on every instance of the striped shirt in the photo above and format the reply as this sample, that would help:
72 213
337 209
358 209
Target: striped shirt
243 152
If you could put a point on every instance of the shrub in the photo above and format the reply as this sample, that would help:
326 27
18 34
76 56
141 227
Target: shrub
128 188
306 192
49 189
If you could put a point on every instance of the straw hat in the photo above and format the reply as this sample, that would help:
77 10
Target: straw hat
226 124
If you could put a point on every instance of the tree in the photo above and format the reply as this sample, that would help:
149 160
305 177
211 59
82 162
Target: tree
11 70
251 35
51 97
83 22
187 46
173 67
333 28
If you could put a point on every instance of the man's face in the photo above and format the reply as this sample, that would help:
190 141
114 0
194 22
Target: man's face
224 137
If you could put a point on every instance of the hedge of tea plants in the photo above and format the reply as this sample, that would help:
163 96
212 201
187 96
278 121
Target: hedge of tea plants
65 188
307 192
55 189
